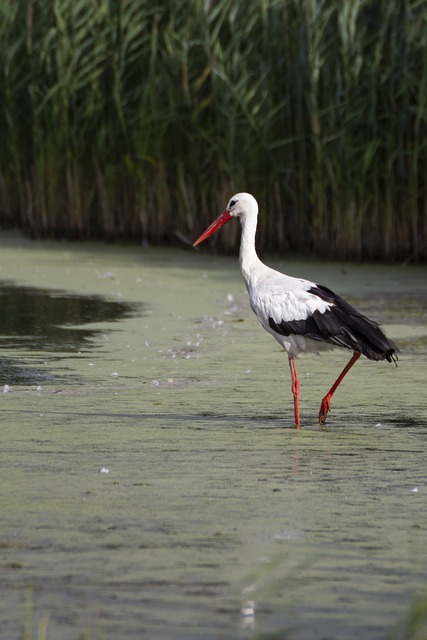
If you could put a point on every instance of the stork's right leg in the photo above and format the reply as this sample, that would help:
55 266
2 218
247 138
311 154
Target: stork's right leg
326 402
295 389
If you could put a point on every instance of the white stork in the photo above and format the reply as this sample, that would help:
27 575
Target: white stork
301 315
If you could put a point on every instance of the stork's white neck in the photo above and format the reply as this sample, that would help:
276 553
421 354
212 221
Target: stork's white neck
250 265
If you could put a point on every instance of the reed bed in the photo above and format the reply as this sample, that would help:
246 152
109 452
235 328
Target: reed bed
138 119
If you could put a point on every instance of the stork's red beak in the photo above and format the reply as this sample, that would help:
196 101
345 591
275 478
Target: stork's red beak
216 224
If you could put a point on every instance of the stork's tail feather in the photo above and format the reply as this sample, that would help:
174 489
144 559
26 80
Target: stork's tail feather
391 355
379 347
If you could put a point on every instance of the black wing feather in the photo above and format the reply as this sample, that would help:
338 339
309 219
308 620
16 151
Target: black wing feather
342 326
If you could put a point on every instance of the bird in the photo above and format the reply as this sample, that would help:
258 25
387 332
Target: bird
301 315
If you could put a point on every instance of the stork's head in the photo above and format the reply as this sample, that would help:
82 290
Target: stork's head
241 205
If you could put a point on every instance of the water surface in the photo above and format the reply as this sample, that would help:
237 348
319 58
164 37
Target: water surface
152 484
50 321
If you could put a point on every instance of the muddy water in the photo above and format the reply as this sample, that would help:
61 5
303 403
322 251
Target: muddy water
151 483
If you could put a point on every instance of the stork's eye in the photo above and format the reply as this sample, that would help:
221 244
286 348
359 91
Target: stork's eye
233 202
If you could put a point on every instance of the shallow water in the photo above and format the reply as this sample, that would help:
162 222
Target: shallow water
151 482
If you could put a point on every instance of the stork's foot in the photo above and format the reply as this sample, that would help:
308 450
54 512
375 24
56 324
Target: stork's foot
324 409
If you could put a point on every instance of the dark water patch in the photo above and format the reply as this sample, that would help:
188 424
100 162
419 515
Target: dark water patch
41 319
49 321
16 371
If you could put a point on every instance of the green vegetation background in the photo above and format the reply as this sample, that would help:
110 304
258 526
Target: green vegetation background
138 119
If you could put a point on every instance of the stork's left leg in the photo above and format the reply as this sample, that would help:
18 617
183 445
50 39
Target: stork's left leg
295 390
326 402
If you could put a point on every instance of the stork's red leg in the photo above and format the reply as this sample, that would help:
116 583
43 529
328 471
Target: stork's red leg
295 389
326 402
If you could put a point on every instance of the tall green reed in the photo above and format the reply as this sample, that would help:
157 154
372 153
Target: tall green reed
138 119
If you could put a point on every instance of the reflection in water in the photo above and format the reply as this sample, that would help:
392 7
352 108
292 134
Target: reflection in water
247 615
42 320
